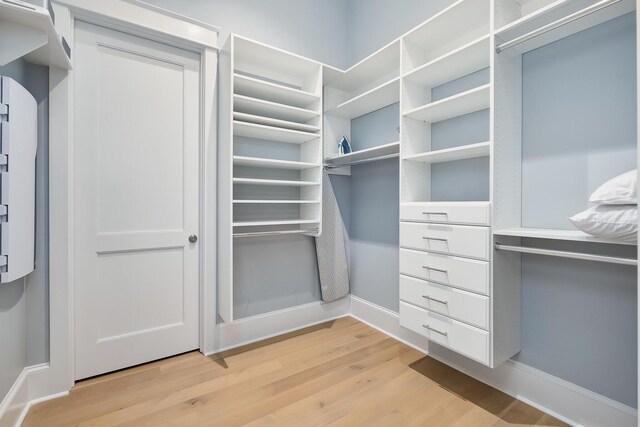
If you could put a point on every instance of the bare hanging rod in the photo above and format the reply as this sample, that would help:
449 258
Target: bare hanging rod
565 254
274 233
556 24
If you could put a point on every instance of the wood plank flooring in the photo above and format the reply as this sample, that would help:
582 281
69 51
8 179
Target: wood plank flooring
341 373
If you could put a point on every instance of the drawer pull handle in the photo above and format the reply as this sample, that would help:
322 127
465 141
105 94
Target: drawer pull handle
435 299
434 238
429 328
435 269
435 213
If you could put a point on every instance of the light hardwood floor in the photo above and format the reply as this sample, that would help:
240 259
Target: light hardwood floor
341 373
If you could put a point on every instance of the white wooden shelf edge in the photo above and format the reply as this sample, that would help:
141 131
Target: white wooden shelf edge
274 182
366 155
470 151
276 202
262 89
457 105
554 234
381 96
272 163
274 223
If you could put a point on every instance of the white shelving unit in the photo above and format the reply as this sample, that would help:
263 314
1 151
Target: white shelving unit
368 86
553 234
270 160
446 244
29 32
386 151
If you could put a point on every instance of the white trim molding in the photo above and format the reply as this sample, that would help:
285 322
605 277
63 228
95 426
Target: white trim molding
263 326
557 397
31 387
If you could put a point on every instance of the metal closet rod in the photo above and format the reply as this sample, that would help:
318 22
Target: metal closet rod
556 24
565 254
274 233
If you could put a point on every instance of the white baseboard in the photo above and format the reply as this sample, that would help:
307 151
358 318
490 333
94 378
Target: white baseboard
31 387
555 396
386 321
263 326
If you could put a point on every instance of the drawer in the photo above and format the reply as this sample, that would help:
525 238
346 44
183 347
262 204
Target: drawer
468 274
461 305
464 339
472 213
451 239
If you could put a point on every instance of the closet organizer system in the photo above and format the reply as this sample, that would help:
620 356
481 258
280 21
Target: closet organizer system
459 259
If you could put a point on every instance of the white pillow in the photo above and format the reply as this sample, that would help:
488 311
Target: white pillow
621 190
619 222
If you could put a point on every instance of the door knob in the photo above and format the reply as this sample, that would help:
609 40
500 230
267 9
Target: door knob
193 238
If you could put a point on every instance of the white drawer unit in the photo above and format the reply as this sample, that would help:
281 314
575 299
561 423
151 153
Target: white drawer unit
464 273
455 303
465 339
444 238
471 213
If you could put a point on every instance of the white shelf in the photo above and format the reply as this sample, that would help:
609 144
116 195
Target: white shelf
381 96
364 156
470 151
552 234
268 121
274 182
271 163
276 202
455 22
465 60
256 88
553 12
259 107
271 133
382 63
463 103
274 223
42 45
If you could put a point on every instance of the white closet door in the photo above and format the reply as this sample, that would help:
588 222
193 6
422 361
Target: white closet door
136 133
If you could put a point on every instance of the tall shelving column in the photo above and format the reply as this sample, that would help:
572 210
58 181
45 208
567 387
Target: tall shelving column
446 291
270 162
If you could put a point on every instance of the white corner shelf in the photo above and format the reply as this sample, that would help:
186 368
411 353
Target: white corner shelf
274 223
553 234
271 133
381 96
268 121
275 202
553 12
464 152
272 163
29 32
364 156
274 182
460 62
259 107
384 62
457 105
267 91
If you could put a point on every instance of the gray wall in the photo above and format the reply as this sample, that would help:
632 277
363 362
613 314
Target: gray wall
315 29
24 317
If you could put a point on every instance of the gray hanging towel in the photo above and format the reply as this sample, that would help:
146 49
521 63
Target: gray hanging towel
330 247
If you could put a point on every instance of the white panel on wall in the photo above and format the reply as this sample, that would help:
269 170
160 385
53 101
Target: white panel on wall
18 139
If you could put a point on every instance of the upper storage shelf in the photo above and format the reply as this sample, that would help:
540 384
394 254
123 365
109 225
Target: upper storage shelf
255 88
28 31
525 25
457 105
456 26
371 84
553 234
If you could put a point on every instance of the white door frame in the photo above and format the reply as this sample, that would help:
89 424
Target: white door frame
156 24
